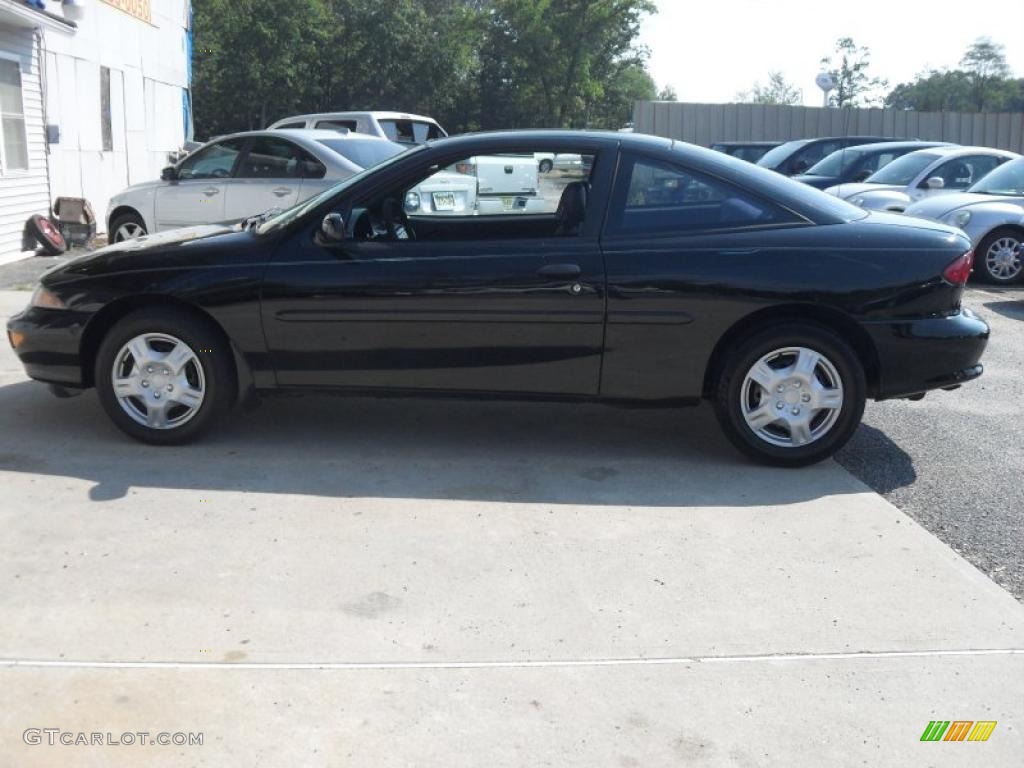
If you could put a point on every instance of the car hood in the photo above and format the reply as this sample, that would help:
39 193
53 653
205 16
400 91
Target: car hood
943 205
176 247
846 191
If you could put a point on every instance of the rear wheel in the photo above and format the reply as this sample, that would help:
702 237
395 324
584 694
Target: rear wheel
999 258
127 226
791 395
164 376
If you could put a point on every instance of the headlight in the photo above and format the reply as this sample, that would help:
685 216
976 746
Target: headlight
959 218
42 297
858 201
412 202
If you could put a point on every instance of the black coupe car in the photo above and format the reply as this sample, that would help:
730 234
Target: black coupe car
666 274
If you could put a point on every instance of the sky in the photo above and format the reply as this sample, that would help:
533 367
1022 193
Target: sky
709 51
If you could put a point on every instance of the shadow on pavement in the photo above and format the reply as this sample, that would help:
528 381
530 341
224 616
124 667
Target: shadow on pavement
877 461
1011 309
424 449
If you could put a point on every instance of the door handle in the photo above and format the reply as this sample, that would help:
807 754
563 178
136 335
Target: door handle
211 191
282 191
560 270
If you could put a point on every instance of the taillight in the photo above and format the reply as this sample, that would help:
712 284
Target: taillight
958 272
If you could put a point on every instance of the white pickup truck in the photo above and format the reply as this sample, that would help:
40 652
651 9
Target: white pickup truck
505 183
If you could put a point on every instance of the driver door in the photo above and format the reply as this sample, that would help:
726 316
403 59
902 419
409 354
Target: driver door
197 195
497 304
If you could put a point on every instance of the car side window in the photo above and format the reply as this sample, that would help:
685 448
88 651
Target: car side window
814 152
655 197
299 124
332 125
964 171
270 158
212 162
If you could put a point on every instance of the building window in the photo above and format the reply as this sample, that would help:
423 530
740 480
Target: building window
12 118
105 125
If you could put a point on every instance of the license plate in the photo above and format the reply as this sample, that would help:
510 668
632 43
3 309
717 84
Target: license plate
444 201
508 203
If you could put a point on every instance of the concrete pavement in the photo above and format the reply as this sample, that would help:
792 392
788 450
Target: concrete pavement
356 582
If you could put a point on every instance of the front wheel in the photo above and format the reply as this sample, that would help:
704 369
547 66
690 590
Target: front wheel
127 226
164 376
998 258
791 395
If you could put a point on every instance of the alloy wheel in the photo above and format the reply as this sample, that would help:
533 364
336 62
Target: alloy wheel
128 231
1003 258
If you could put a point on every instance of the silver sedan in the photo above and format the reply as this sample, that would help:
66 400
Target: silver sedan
992 214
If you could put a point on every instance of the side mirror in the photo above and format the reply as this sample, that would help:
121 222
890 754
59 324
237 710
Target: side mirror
170 173
935 182
332 228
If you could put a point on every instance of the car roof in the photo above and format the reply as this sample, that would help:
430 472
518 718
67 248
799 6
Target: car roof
321 133
881 146
379 114
957 150
747 143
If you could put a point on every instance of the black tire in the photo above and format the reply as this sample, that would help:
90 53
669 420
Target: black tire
47 235
546 166
212 354
981 265
123 220
728 393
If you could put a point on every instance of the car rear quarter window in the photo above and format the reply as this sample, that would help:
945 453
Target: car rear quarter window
333 125
270 158
651 196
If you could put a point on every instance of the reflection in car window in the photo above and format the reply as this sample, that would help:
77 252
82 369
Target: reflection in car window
1008 179
270 158
903 170
212 162
773 157
836 163
659 197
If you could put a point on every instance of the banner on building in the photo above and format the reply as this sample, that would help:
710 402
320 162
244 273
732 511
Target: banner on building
140 9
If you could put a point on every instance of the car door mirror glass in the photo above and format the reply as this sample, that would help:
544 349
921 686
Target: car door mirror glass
935 182
170 173
332 228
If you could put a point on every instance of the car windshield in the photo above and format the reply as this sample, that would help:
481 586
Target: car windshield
284 218
365 153
1007 179
904 169
837 163
773 157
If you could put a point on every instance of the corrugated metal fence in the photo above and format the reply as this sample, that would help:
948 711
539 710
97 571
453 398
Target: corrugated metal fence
707 123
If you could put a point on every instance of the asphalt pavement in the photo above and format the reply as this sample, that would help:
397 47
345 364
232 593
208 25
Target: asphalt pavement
955 460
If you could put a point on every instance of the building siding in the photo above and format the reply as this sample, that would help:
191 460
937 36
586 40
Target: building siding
24 193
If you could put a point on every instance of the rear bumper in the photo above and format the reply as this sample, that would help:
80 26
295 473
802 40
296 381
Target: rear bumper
47 342
916 356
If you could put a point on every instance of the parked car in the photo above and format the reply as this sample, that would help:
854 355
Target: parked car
751 151
921 174
673 273
992 214
395 126
240 175
549 161
856 164
797 156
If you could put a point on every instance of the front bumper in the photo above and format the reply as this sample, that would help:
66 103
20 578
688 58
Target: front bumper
47 341
919 355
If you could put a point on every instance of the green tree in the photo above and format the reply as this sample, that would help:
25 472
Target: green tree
668 93
849 66
933 91
777 91
987 72
254 60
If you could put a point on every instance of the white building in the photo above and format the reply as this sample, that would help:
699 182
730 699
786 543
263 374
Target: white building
93 96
